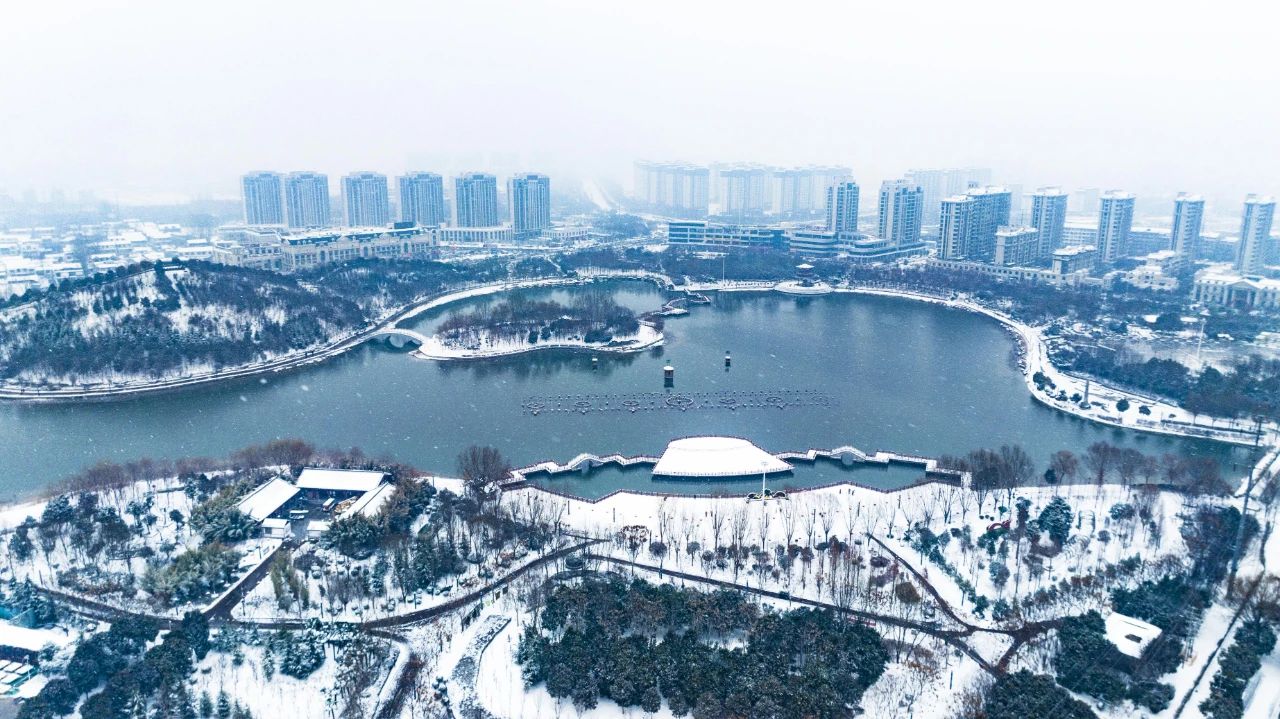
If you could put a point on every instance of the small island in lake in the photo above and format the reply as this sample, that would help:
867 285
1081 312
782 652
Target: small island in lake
519 324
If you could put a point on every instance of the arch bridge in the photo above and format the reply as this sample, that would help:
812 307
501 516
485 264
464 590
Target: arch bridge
399 337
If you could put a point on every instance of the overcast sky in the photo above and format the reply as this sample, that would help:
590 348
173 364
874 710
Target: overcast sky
153 99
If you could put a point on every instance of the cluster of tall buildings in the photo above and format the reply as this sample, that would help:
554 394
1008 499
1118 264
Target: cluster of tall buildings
975 226
300 200
739 191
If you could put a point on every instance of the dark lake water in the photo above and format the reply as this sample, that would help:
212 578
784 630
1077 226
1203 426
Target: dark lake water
899 375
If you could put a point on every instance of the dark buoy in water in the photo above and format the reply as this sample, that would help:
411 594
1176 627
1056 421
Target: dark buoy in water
668 376
595 363
727 359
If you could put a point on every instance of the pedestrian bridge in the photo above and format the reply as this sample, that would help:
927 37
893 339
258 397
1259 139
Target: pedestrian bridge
399 337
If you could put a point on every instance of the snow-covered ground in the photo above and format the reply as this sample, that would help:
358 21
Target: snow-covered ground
277 696
435 347
1264 703
850 514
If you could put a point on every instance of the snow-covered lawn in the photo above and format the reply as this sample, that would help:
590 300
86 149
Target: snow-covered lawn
279 696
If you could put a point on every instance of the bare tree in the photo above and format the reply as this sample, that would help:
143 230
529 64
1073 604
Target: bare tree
810 524
481 468
1098 459
1016 469
789 519
766 518
1065 465
717 520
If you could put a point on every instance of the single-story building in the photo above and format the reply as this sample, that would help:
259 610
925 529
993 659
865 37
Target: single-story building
1131 636
316 528
22 646
339 481
277 527
268 499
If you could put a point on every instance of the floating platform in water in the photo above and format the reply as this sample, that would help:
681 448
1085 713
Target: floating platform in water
716 457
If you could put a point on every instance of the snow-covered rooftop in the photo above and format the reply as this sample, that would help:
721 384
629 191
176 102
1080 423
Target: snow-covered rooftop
340 480
716 457
1131 636
276 523
31 640
266 499
369 503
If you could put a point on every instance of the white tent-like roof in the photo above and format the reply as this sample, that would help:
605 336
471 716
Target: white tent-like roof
369 503
31 640
267 498
340 480
1131 636
716 457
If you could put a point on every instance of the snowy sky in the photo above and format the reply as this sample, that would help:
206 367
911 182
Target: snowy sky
150 98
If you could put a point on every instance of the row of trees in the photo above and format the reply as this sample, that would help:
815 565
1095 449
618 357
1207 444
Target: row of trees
1250 387
1009 467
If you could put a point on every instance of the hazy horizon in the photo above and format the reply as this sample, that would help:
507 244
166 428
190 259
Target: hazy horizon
143 100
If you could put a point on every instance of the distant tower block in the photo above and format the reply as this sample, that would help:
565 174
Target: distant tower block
668 376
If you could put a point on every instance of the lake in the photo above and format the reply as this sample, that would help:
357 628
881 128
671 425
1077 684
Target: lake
893 374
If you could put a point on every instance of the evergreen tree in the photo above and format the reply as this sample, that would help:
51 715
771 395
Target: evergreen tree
224 705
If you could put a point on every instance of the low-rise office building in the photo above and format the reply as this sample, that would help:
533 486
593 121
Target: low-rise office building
1221 285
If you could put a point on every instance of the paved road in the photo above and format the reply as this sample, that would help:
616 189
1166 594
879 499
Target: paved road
222 608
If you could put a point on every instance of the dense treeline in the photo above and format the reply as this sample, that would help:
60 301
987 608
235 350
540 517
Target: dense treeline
1023 695
643 645
595 317
1250 387
1254 640
138 677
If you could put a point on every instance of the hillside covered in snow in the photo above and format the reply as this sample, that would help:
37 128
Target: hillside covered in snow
176 320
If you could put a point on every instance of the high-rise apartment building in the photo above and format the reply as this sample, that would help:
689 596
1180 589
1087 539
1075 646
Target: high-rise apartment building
529 196
968 223
938 183
263 194
1255 234
1188 218
672 188
307 199
791 192
745 190
1048 217
955 219
990 213
1017 246
842 207
1115 219
802 191
364 194
901 207
475 200
422 199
